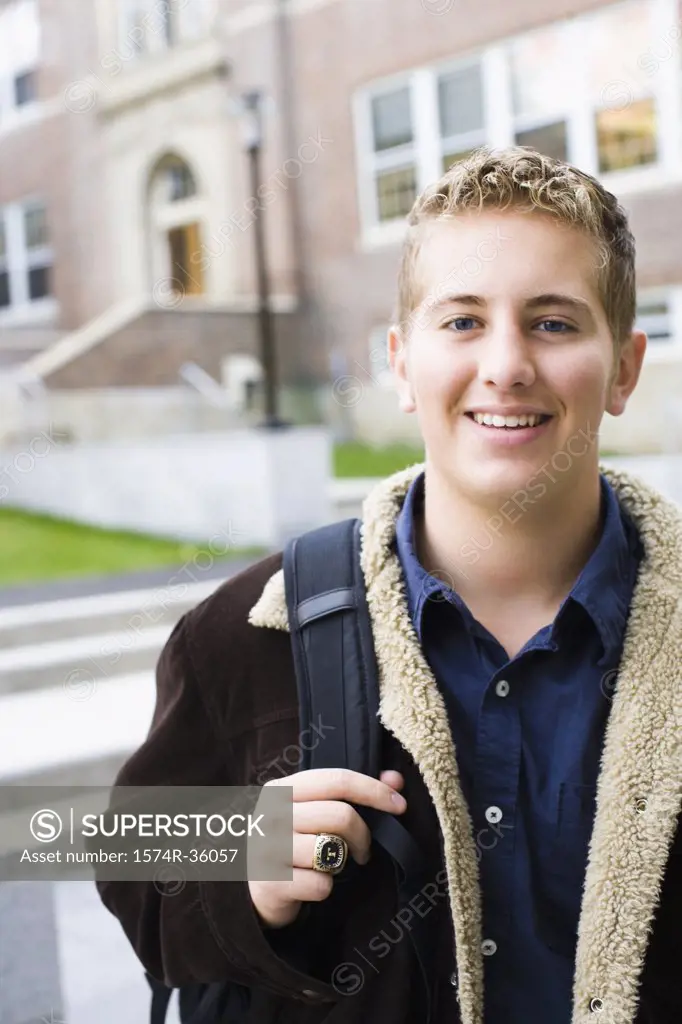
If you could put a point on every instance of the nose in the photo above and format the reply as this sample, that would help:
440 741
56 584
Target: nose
506 359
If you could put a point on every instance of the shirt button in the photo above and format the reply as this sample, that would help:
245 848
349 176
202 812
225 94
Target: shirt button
596 1005
488 947
493 815
502 688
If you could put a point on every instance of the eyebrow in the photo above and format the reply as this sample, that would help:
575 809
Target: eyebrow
547 299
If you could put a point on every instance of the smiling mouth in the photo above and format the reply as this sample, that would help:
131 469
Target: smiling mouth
510 423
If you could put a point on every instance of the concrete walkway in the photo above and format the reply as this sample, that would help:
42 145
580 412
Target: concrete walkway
102 979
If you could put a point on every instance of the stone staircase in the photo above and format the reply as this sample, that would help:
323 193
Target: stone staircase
77 682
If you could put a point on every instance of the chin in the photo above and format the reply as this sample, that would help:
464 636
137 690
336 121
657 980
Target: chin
492 481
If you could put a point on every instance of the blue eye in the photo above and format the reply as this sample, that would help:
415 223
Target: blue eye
556 326
463 323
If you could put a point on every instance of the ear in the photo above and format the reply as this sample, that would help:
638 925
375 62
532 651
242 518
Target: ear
626 371
398 361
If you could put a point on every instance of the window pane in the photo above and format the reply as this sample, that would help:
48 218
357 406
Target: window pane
451 158
38 282
549 140
25 88
543 70
35 227
627 138
181 182
392 119
460 99
4 289
396 192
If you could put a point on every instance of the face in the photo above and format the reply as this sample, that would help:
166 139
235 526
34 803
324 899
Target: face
510 325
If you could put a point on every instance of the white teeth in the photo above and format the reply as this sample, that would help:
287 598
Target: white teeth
491 420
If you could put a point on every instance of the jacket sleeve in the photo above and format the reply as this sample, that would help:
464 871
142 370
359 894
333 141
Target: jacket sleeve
208 931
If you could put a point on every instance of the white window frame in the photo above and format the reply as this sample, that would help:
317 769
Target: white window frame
19 260
12 114
501 123
371 162
153 19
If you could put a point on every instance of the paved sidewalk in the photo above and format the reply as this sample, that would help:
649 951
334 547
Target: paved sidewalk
102 979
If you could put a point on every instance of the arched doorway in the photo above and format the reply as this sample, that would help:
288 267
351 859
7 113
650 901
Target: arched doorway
176 209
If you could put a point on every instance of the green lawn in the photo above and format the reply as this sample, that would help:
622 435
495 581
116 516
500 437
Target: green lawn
35 548
354 459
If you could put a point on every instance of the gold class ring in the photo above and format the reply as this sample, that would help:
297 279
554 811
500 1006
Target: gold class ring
331 853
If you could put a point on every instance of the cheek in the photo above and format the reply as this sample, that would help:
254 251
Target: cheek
581 381
440 377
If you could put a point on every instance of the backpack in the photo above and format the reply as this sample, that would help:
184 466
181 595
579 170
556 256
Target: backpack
337 681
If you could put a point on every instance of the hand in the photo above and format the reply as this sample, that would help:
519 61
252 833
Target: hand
322 803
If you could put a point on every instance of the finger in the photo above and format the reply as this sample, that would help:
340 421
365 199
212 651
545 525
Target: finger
342 784
305 885
315 816
311 886
393 779
304 852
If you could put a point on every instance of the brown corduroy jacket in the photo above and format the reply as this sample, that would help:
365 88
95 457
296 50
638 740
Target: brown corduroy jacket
226 714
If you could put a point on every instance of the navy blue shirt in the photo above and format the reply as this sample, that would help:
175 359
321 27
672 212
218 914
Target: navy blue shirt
528 733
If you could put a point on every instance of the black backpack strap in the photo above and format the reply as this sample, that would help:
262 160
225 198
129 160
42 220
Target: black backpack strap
332 640
161 995
325 591
338 684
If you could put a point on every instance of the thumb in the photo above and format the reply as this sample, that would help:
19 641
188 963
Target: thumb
393 779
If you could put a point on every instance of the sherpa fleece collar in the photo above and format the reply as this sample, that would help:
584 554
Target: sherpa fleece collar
639 790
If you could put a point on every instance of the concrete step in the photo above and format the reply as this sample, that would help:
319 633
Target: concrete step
74 707
74 779
129 612
56 732
80 663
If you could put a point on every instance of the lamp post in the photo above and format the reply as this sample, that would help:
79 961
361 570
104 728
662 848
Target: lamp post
253 139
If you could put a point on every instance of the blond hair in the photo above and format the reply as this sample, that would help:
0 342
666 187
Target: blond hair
521 178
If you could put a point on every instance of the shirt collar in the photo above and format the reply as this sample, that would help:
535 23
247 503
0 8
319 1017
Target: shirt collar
422 587
603 588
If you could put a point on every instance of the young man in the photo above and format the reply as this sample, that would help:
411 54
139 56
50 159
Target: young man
525 610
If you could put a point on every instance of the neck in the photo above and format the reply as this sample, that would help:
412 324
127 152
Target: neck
490 554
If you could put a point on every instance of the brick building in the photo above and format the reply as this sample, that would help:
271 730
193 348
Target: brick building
124 194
